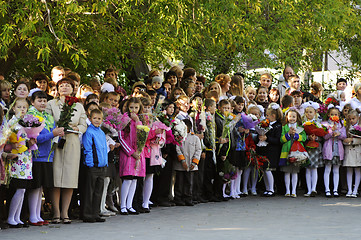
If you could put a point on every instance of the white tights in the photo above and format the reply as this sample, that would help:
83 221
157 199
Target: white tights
35 205
236 184
104 195
245 179
294 182
311 179
16 205
336 177
268 181
127 193
147 190
350 171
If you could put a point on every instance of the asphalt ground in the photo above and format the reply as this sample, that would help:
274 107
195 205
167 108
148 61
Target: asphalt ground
246 218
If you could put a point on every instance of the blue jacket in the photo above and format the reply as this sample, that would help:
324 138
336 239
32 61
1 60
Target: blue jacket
44 140
44 146
95 147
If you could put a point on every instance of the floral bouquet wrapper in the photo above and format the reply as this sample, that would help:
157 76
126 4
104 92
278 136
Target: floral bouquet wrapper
142 135
228 172
249 121
316 129
262 128
230 120
356 131
33 132
179 131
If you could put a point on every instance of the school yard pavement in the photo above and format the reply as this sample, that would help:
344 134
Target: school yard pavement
245 218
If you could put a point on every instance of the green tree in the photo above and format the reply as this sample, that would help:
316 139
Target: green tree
212 36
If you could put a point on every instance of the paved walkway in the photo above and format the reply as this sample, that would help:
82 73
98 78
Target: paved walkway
246 218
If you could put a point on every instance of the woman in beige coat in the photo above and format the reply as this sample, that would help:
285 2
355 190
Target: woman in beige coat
66 160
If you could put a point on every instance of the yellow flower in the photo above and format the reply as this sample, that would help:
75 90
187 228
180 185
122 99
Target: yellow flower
19 150
308 123
41 119
144 128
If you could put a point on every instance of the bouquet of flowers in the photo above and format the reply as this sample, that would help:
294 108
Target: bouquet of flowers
65 118
335 119
262 128
249 121
257 161
142 135
298 155
230 121
228 172
67 112
114 121
314 128
199 118
322 111
211 130
18 143
32 126
331 100
161 114
355 131
179 132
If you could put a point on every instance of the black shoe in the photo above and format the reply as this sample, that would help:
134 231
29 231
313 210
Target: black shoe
99 219
140 210
225 199
124 211
189 203
15 226
131 211
179 203
144 210
89 220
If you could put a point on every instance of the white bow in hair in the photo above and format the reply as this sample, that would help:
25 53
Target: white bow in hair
32 91
107 87
333 106
311 104
274 106
258 106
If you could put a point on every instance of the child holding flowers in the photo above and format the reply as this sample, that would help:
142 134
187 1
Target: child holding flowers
352 149
238 158
333 151
272 150
152 152
315 132
21 168
293 155
188 158
131 159
42 158
254 114
223 144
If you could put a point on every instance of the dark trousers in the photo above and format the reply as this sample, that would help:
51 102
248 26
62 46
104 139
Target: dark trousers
183 186
209 175
218 180
198 181
93 191
161 190
138 196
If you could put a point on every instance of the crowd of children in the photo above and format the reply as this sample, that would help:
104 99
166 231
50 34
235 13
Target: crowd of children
92 151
